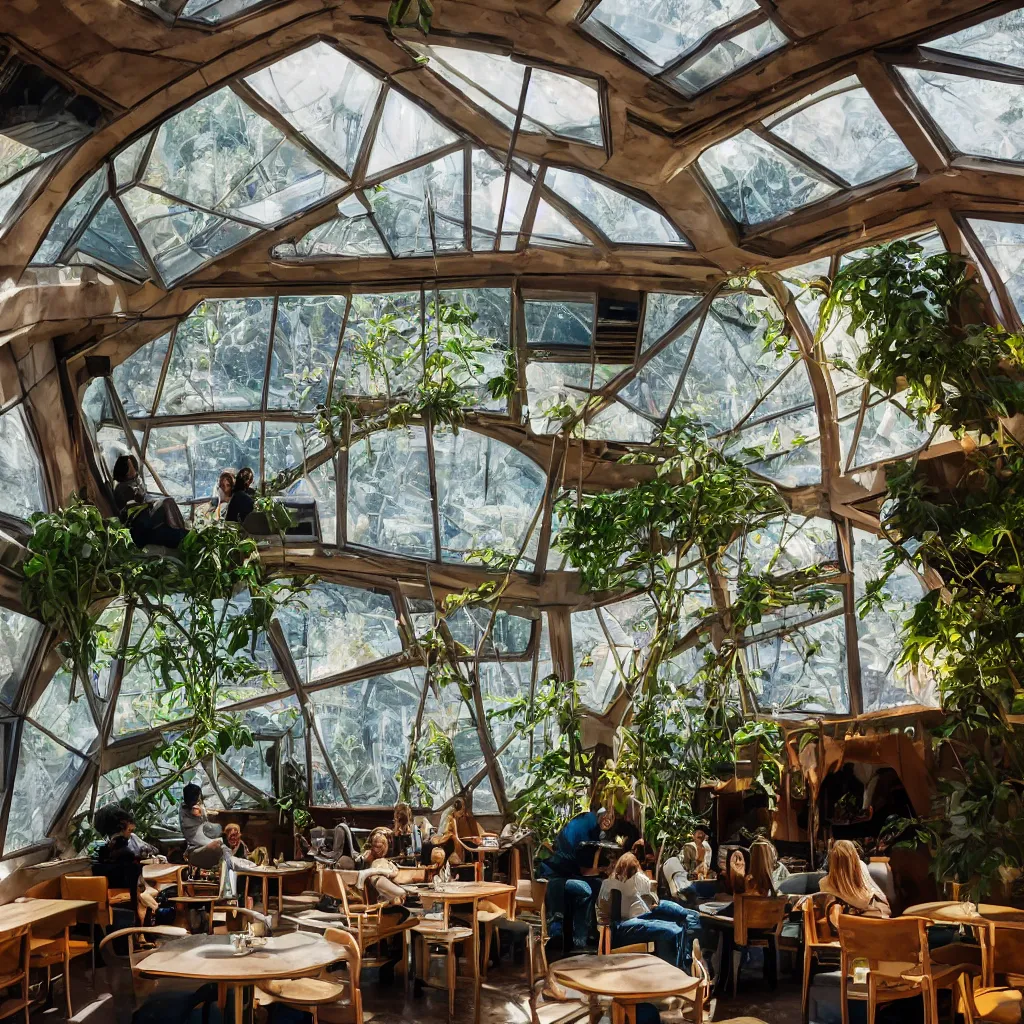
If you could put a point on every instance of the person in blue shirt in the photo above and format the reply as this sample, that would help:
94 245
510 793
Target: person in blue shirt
573 880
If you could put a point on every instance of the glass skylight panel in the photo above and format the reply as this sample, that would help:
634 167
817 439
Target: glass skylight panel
550 227
306 335
1003 242
71 216
336 628
189 458
220 155
487 495
19 635
803 670
108 240
620 217
845 132
557 323
422 211
562 105
128 161
663 30
980 117
662 312
22 486
999 40
136 379
617 422
219 357
489 191
325 96
884 683
179 238
403 314
406 132
215 11
389 506
729 56
351 233
17 164
556 104
69 720
656 383
757 182
45 775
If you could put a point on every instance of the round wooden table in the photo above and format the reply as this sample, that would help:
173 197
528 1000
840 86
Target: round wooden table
627 978
160 872
211 958
269 871
955 912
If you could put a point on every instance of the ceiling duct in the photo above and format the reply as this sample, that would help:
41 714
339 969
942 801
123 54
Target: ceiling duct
617 335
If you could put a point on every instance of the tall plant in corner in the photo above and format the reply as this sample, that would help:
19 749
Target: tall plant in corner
665 536
961 523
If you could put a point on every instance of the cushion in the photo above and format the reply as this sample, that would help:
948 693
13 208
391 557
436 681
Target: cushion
1002 1005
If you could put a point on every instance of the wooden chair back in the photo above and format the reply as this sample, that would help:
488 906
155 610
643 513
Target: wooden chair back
48 890
128 983
531 895
88 887
15 950
892 947
1006 943
817 930
354 965
757 914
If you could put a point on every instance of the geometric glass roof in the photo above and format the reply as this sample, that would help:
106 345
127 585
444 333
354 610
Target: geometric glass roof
689 44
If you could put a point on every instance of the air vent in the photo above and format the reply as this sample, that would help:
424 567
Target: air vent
618 327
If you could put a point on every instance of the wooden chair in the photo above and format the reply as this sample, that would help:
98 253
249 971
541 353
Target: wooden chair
820 946
530 907
488 915
89 887
59 949
757 921
429 934
604 930
879 941
999 998
15 951
544 1010
324 997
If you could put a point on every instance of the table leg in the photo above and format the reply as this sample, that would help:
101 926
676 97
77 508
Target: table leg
476 949
266 895
238 1004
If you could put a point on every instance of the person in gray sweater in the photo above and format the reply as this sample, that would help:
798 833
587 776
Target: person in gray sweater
204 843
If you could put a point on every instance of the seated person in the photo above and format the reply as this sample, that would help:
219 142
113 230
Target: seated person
204 844
439 864
456 823
404 826
851 886
572 873
380 872
766 870
233 841
736 870
696 856
124 845
243 497
643 918
149 520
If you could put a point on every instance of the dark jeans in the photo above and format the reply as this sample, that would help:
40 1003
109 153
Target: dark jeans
574 899
670 927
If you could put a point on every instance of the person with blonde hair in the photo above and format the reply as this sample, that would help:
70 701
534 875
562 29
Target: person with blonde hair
641 917
849 882
766 871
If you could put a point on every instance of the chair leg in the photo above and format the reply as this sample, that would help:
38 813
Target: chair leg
873 1002
67 984
806 1004
844 1005
737 957
486 951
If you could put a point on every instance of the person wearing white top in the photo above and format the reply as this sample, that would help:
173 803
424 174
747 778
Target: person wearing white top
697 856
642 917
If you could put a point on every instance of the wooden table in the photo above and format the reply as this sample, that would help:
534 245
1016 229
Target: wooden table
628 979
269 871
161 872
459 893
44 916
210 958
955 912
